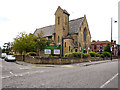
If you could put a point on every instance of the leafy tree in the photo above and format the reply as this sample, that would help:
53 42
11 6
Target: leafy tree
24 43
29 43
107 48
41 42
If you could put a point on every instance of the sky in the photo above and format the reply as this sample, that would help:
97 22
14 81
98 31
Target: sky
26 15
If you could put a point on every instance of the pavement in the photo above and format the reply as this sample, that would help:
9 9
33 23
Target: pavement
66 65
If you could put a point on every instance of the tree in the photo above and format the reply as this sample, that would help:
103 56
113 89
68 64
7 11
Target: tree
29 43
24 43
107 48
41 41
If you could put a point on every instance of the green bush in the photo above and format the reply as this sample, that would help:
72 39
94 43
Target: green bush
106 54
85 55
93 54
31 54
97 55
15 54
67 54
75 54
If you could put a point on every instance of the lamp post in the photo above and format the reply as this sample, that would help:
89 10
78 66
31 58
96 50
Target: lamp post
111 37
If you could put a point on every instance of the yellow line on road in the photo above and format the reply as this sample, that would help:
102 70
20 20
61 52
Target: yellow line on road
67 66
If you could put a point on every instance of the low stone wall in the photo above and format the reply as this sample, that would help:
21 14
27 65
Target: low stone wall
56 60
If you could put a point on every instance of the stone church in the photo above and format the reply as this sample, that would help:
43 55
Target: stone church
72 36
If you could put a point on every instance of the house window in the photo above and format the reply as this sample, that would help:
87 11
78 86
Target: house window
84 34
58 38
95 47
69 48
75 50
58 20
101 46
65 44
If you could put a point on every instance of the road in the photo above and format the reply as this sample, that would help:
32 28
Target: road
103 75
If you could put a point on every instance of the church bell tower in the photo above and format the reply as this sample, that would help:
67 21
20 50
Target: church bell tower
61 24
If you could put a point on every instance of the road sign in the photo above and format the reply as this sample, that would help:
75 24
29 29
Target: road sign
111 48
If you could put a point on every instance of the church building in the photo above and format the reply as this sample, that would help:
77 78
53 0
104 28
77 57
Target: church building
72 36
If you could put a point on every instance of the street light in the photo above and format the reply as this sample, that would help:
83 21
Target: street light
111 37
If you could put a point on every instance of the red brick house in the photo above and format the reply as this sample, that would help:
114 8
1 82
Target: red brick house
98 46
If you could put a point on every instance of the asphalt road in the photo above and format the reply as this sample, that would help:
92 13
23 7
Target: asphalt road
103 75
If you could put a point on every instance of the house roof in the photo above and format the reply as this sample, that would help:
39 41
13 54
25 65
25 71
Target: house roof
74 26
100 42
65 11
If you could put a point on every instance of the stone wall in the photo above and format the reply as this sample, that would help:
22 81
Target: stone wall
56 60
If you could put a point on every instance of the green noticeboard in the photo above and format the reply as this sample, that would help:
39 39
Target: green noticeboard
52 49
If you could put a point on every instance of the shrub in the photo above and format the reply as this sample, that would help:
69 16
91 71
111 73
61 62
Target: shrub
93 54
31 54
15 54
75 54
97 55
106 54
85 55
102 55
67 54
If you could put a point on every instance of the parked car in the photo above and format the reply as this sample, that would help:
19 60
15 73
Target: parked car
10 58
3 55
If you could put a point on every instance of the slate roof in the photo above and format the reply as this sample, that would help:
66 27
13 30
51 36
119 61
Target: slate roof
48 30
74 26
65 11
100 42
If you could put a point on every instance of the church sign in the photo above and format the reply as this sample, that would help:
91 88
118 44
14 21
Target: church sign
52 49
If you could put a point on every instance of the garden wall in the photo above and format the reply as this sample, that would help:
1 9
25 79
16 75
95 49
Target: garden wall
56 60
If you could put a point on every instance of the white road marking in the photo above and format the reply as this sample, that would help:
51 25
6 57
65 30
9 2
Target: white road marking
25 68
22 74
109 81
11 73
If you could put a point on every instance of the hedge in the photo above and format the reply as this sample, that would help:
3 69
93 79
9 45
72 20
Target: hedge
77 55
106 54
93 54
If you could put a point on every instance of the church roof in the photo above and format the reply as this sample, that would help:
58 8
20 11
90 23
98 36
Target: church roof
74 26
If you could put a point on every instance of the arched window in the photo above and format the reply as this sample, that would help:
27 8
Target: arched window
84 34
58 20
65 44
58 38
69 48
